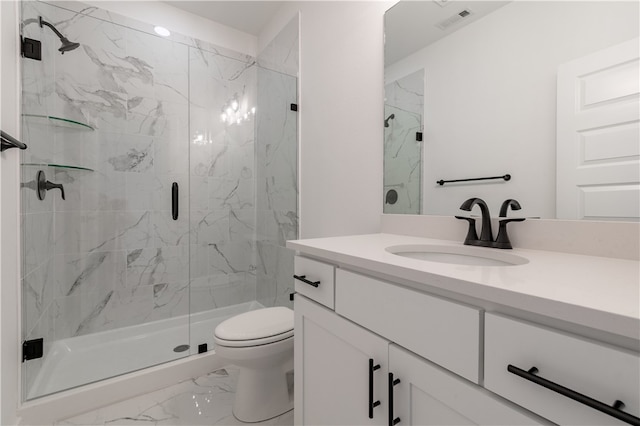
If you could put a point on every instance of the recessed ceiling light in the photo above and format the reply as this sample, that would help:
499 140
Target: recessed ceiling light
162 31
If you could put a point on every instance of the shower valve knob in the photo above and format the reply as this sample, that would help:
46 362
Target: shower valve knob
44 185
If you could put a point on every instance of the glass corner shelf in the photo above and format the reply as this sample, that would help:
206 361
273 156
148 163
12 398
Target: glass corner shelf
58 166
62 122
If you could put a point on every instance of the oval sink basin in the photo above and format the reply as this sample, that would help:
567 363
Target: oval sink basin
458 255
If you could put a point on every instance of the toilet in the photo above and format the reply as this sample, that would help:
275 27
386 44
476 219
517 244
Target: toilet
260 343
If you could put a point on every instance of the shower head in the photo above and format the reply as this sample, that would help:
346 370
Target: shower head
391 117
66 44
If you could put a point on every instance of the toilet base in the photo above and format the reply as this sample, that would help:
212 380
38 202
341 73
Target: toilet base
262 391
261 395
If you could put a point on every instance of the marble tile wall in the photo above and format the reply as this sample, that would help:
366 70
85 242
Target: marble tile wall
110 255
277 167
404 105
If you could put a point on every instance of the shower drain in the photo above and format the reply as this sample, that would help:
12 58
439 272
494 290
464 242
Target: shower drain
181 348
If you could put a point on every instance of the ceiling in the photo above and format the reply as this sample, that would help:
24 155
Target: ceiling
412 25
246 16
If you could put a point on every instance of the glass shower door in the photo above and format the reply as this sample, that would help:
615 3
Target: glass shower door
277 180
222 199
105 254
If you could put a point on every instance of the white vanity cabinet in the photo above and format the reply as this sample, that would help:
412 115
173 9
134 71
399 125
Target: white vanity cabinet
343 367
461 340
333 360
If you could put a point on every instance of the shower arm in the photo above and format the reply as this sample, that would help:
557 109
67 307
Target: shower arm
43 22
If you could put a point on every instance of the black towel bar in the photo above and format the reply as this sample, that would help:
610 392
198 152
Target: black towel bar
9 142
442 182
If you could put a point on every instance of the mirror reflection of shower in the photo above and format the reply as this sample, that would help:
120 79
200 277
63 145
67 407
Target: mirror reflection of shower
66 44
403 154
391 117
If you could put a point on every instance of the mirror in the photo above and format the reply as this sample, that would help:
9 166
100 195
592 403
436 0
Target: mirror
485 89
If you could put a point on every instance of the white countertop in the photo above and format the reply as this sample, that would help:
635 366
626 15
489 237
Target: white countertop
597 292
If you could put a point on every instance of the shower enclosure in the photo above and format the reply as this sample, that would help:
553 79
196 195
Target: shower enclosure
159 186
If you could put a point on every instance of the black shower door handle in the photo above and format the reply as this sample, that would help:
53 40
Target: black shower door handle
174 200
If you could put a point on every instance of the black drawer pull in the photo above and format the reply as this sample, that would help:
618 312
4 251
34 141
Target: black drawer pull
372 404
392 419
613 411
304 279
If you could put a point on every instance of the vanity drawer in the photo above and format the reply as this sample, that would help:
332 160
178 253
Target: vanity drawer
315 280
594 369
439 330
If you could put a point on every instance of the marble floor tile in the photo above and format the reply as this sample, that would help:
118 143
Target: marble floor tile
207 400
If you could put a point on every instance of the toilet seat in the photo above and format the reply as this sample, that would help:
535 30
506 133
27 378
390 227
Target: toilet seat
254 328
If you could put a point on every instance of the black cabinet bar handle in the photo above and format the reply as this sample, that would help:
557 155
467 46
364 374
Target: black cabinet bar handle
174 200
304 279
613 411
8 142
372 404
392 419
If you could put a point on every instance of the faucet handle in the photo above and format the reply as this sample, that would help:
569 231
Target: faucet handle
514 204
502 240
472 235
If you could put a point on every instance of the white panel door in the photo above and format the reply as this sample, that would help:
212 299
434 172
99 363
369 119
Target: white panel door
332 369
598 135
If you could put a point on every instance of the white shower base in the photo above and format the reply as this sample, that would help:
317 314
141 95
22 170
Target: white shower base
86 359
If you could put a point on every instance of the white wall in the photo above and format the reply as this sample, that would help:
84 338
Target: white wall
488 113
341 115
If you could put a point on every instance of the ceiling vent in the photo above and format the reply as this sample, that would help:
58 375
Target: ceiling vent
443 25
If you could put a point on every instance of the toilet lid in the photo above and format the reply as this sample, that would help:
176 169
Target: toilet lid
257 325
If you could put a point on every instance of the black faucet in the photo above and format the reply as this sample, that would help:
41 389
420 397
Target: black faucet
486 235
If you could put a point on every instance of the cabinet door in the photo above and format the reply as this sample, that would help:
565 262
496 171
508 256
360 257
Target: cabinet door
429 395
332 369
